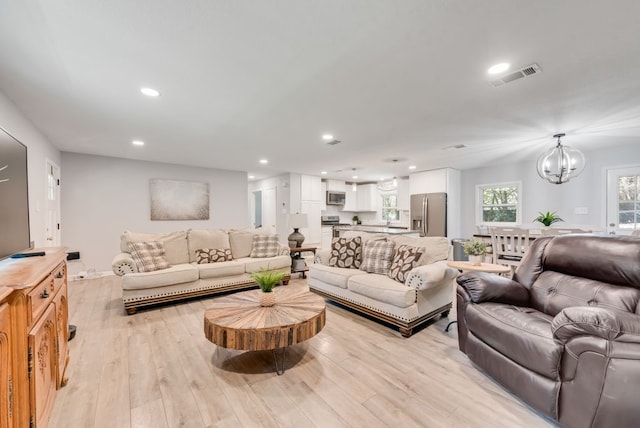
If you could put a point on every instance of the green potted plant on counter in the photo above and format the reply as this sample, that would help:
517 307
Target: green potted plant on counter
355 219
267 280
475 250
548 218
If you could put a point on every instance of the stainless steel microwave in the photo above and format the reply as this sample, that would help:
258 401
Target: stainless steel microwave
335 198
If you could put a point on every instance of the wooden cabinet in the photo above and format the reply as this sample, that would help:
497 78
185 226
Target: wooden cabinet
310 189
6 380
312 233
403 195
323 195
367 198
327 236
33 337
350 200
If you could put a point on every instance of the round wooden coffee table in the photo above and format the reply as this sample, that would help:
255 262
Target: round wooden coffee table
237 321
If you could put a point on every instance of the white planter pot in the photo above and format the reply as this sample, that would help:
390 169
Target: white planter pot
476 260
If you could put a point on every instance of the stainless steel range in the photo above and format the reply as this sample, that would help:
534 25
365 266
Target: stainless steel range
333 220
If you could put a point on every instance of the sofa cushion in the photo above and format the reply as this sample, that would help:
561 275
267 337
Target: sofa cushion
377 256
405 259
264 246
252 265
221 269
213 255
175 244
335 276
177 274
241 242
148 256
383 289
206 238
522 334
346 252
436 248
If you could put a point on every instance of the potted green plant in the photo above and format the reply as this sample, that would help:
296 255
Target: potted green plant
355 219
475 250
267 280
548 218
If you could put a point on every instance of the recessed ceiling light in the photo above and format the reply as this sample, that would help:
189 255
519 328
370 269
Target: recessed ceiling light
137 143
264 161
354 177
150 92
412 167
327 137
323 172
251 177
498 68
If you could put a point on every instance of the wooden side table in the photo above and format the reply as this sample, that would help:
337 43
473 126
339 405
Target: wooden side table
468 267
296 254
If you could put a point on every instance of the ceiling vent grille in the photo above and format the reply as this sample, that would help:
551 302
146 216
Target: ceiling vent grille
527 71
333 142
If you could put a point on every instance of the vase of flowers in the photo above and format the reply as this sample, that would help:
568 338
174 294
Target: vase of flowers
267 280
475 250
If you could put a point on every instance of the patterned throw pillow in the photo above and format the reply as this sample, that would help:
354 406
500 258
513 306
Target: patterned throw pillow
265 246
346 252
404 260
148 256
213 255
376 256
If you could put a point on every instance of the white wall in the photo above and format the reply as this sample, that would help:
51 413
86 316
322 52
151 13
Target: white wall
103 196
284 201
39 149
586 190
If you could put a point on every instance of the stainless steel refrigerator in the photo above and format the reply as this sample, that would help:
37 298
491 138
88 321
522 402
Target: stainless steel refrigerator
429 214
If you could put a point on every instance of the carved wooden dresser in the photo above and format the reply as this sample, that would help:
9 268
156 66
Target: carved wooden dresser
34 331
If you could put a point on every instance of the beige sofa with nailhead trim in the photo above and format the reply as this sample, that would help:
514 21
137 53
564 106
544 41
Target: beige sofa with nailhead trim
426 293
185 278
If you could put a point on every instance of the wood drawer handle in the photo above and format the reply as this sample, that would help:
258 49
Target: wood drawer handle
44 294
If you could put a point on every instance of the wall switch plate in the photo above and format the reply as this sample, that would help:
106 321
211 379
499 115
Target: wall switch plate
581 210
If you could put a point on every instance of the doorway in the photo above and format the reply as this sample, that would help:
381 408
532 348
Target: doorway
257 209
623 200
52 205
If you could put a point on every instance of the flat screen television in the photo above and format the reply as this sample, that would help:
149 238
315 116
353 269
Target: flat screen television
14 196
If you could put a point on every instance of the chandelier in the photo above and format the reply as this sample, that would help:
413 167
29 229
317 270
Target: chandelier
561 163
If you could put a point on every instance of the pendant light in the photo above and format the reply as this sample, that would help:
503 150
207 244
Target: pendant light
561 163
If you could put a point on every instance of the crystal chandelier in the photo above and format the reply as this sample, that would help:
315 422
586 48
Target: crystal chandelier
561 163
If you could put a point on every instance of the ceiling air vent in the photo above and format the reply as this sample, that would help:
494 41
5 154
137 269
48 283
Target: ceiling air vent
333 142
527 71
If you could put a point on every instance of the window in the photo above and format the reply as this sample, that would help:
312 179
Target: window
628 202
390 207
498 203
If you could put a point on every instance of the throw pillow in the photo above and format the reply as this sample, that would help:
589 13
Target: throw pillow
148 256
346 253
213 255
404 260
265 246
377 256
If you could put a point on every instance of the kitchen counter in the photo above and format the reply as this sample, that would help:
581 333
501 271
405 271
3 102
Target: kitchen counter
392 230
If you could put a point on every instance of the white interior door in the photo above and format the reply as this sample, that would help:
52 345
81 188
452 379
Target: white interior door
623 200
52 204
269 209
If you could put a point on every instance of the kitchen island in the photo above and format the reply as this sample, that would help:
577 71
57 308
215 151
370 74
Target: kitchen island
391 230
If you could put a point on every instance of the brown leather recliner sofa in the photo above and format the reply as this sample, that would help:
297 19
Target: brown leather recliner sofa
564 334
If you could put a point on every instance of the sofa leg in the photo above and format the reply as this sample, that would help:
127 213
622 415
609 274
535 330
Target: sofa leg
131 311
406 332
285 282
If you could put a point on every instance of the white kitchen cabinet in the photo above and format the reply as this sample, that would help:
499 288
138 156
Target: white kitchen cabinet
323 196
327 236
310 188
403 203
336 185
350 200
312 233
367 198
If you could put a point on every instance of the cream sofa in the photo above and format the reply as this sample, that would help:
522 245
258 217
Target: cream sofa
185 278
426 293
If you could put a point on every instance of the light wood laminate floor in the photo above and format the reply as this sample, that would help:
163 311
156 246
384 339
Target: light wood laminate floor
156 369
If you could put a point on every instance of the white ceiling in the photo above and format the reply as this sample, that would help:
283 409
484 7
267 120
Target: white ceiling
392 79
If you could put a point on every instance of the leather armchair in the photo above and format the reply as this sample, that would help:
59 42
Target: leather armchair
564 334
